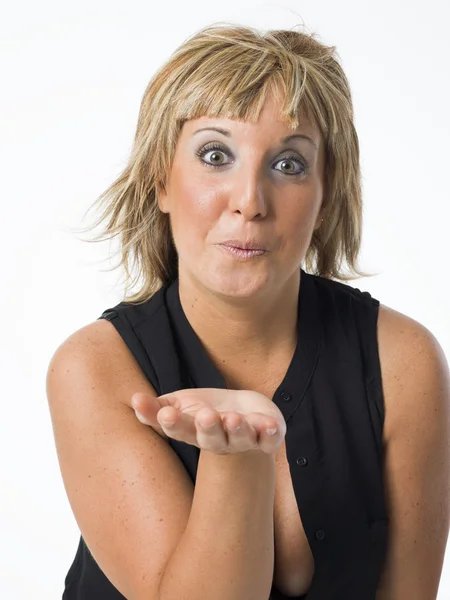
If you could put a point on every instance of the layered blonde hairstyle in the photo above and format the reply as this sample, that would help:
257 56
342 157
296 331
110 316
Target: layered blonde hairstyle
227 70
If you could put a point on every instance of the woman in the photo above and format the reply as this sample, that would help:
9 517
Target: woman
240 200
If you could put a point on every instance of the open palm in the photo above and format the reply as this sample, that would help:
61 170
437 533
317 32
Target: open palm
206 418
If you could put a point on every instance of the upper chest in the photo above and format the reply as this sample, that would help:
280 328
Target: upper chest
294 561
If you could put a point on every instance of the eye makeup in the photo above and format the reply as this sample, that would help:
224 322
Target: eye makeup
217 146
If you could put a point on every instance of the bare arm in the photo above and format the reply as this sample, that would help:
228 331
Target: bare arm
416 385
227 550
147 527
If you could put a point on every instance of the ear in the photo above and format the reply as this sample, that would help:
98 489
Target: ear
162 199
319 221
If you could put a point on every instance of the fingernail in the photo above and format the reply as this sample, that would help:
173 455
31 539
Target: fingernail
207 425
235 429
271 431
141 418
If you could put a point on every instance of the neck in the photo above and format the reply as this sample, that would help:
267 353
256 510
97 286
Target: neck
233 329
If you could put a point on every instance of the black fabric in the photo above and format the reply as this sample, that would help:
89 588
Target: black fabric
331 398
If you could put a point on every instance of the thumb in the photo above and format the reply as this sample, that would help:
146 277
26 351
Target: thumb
147 406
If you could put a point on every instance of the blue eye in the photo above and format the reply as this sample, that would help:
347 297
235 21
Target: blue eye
218 148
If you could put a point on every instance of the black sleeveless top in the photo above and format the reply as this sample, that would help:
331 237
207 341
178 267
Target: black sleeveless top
332 400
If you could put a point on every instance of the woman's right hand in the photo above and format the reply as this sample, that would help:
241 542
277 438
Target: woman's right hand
193 408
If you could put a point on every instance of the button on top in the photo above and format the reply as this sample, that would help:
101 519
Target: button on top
302 461
285 396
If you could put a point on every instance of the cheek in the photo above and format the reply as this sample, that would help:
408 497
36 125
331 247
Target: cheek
196 212
302 220
196 201
296 228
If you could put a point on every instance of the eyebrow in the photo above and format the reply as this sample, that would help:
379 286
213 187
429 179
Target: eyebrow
284 140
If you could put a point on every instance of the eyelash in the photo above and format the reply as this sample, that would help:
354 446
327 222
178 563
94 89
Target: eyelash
215 146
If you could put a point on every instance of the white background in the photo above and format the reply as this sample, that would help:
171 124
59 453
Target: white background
72 77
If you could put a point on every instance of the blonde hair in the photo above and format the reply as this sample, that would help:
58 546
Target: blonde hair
227 71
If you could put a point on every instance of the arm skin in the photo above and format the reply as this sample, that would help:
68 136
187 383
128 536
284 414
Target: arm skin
417 457
227 549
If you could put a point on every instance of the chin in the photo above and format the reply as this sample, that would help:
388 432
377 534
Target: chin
238 283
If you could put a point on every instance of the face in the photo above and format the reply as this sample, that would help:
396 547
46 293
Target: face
242 184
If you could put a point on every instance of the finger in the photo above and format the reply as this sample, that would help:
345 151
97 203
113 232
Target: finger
207 416
210 433
231 420
261 422
147 406
271 432
245 433
149 412
240 434
142 400
177 425
270 443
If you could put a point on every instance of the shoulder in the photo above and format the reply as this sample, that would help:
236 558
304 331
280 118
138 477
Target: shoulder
416 469
339 298
91 344
137 315
95 353
340 288
414 369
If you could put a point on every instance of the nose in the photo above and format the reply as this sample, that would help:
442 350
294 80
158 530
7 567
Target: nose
249 200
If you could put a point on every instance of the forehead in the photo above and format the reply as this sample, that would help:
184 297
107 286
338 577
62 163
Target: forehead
269 130
269 126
